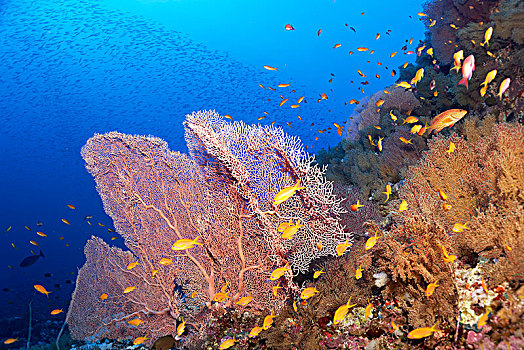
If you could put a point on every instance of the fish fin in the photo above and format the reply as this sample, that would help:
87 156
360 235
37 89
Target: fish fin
464 81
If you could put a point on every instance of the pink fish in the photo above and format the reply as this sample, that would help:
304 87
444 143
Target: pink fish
468 67
503 87
289 27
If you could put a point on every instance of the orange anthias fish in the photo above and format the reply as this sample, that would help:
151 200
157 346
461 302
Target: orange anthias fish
10 340
447 258
139 340
308 293
279 272
422 332
468 67
56 311
185 243
268 320
129 289
255 331
341 248
181 328
286 193
339 128
135 322
42 290
367 312
370 243
244 301
226 344
270 68
446 119
103 296
431 288
291 230
355 207
342 311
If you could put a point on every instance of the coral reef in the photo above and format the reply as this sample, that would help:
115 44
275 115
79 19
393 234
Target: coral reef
221 196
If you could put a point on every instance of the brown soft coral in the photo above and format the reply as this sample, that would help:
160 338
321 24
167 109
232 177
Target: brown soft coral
484 182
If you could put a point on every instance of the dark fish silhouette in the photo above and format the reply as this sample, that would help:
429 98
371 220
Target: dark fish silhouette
30 260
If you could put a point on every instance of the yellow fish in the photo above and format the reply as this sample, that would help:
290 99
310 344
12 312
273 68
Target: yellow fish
268 320
431 288
139 340
371 140
283 101
318 273
41 234
451 148
42 290
358 273
286 193
341 248
255 331
367 312
65 222
221 296
342 311
308 293
458 57
483 320
487 36
403 205
415 129
132 265
430 51
276 288
135 322
372 241
447 258
422 332
129 289
457 228
410 120
103 296
393 117
379 103
489 77
181 328
295 306
404 84
387 193
270 68
279 272
165 261
185 243
379 143
244 301
291 230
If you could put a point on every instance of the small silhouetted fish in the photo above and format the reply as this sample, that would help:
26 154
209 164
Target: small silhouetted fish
39 223
57 285
88 217
68 281
6 289
30 260
48 274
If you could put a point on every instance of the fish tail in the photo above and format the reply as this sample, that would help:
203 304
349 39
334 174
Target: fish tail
464 81
195 241
42 253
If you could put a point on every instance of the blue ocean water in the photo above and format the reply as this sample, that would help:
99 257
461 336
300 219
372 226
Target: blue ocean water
70 69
